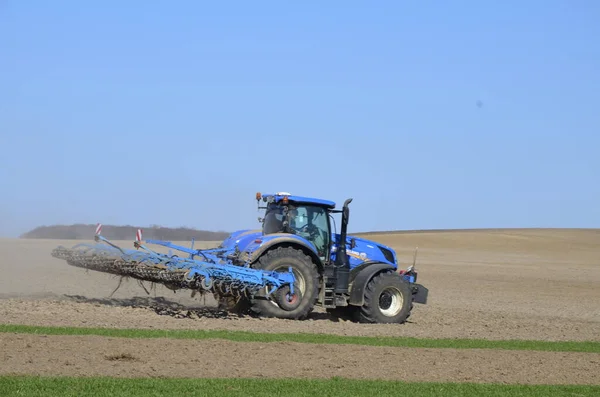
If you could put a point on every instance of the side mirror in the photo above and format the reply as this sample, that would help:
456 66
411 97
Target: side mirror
352 243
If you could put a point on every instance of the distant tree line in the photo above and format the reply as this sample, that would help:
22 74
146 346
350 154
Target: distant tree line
127 232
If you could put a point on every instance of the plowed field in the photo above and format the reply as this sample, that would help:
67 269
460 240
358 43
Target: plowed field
537 284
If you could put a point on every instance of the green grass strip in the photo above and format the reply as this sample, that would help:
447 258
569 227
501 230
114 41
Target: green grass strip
245 336
32 386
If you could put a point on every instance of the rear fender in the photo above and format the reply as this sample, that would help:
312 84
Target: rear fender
357 293
284 240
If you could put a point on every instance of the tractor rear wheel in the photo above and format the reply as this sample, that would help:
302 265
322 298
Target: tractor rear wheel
387 299
305 287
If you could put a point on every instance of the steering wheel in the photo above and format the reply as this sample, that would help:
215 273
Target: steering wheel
311 230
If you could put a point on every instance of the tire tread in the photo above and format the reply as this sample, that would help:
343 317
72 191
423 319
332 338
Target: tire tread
264 308
368 312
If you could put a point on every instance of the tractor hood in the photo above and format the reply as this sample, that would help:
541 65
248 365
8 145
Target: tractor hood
365 251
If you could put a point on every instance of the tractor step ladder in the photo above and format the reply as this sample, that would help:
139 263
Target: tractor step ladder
329 298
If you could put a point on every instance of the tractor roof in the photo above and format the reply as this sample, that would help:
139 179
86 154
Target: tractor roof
300 200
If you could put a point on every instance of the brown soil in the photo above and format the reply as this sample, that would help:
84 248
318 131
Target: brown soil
101 356
515 284
505 284
427 322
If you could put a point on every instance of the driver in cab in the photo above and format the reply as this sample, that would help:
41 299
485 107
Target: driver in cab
300 225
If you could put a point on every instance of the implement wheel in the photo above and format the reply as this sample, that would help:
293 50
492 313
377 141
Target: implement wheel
388 299
298 306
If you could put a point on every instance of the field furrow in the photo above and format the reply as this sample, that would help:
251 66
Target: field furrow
119 357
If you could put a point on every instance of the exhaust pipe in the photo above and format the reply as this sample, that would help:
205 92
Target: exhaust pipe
342 265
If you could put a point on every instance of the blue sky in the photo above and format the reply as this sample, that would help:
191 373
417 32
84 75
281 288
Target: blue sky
176 113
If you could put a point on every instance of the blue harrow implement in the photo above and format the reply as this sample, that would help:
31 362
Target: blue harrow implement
209 274
295 261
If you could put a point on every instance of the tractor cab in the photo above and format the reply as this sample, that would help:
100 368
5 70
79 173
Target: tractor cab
302 216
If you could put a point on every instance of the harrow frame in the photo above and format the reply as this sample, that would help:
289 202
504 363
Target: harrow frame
213 273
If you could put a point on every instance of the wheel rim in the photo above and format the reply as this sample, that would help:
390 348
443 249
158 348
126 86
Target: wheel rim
299 284
390 301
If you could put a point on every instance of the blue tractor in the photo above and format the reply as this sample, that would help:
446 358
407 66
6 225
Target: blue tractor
293 263
359 279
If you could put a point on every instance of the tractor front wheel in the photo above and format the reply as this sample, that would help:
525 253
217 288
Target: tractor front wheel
387 299
280 304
